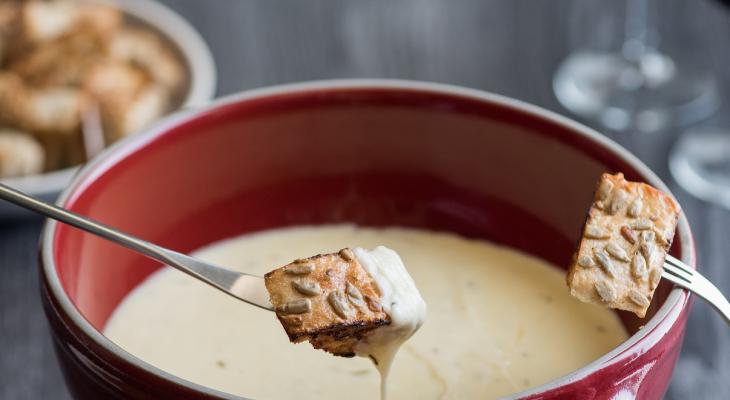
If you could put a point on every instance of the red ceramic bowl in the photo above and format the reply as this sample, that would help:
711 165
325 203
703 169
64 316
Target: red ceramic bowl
366 151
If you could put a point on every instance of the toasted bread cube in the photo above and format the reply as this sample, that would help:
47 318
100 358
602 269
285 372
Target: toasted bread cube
44 21
110 79
13 95
329 300
46 111
8 14
20 154
124 116
54 111
147 50
62 62
117 86
8 23
627 234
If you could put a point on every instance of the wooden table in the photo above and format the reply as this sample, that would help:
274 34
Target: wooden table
509 47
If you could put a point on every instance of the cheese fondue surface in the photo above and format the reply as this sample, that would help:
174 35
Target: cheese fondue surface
499 321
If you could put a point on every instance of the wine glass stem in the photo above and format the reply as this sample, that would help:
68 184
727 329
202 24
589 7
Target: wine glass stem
637 29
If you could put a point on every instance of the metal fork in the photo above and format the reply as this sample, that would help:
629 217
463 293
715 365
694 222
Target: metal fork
681 275
246 287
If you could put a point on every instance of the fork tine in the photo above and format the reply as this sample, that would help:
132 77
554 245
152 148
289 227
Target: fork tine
678 264
676 275
680 274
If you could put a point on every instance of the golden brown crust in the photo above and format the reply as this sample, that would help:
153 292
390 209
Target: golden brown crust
329 300
629 229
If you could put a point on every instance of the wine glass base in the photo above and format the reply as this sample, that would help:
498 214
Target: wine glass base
700 162
647 95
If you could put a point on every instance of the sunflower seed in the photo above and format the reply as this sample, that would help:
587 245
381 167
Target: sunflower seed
585 261
638 298
292 320
603 260
638 266
620 198
615 251
635 208
654 277
299 268
660 237
604 189
347 254
353 293
647 249
605 292
648 236
642 224
628 234
339 304
595 232
306 288
373 304
298 306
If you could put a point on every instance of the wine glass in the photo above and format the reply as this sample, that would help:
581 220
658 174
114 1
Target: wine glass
625 72
700 159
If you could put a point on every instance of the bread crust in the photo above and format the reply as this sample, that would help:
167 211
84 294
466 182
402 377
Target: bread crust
626 237
343 301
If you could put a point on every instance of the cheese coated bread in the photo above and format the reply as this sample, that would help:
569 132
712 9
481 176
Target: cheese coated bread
329 300
627 234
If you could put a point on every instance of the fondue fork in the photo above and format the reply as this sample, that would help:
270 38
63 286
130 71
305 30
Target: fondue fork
251 288
682 275
246 287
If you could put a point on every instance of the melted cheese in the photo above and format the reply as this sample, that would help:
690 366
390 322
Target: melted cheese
499 321
400 300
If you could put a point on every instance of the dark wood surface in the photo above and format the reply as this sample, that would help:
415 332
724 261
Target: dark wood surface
508 47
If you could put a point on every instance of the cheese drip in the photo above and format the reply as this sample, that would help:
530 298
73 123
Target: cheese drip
400 300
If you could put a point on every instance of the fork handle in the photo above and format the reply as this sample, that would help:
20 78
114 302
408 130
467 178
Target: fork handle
246 287
710 292
69 217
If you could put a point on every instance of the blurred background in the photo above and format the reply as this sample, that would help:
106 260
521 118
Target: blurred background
650 75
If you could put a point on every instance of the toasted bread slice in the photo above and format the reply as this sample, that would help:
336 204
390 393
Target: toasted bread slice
329 300
20 154
619 261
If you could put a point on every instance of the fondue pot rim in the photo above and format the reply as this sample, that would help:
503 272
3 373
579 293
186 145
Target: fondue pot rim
645 338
